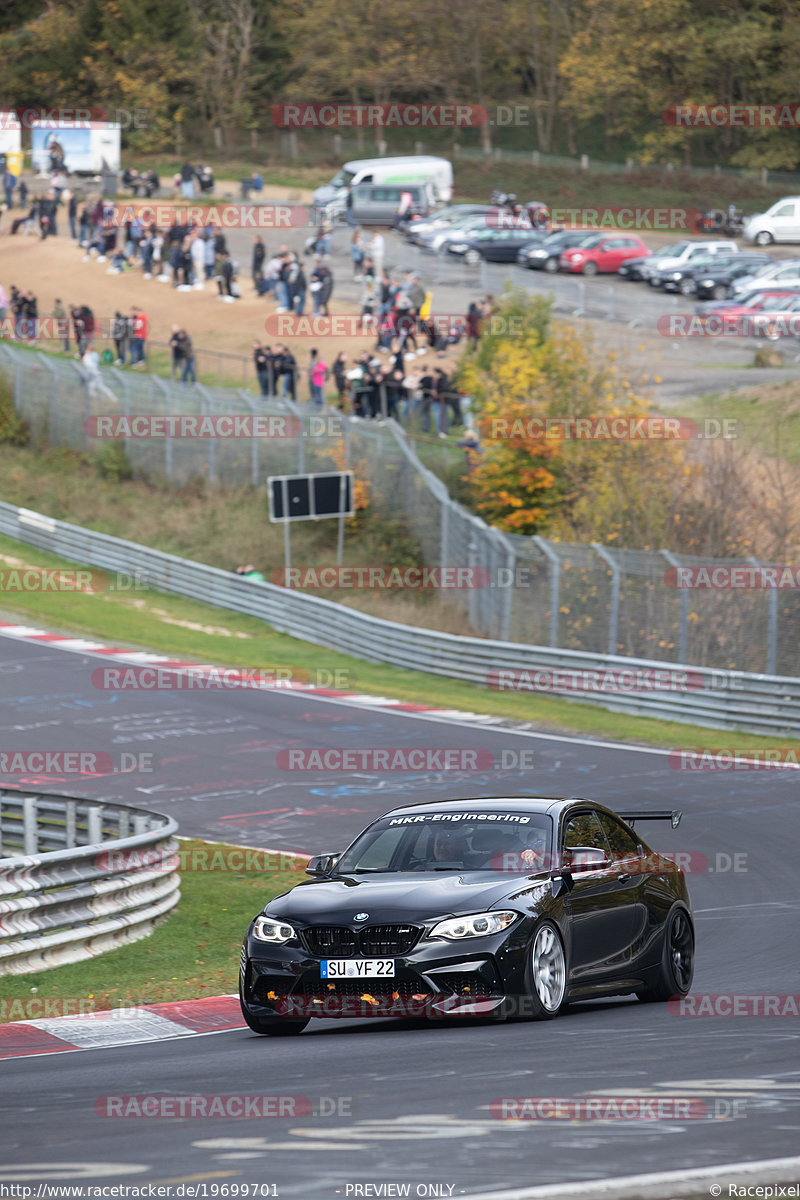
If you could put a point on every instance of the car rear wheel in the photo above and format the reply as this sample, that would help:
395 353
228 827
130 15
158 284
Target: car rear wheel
546 973
719 292
551 264
677 960
590 268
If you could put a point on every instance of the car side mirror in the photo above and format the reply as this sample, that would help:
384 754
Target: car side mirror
561 882
584 858
322 864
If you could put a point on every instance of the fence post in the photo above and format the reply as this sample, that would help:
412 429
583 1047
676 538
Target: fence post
162 384
613 616
683 631
555 584
94 825
772 625
253 440
30 834
208 406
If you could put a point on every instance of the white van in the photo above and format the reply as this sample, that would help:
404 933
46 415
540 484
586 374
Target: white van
408 169
781 223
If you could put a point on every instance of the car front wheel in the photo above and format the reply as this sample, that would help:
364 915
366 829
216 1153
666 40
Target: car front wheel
687 287
472 258
764 238
551 264
590 268
546 973
677 960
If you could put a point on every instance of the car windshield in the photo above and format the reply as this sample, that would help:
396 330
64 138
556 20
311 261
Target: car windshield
591 239
451 841
672 251
342 178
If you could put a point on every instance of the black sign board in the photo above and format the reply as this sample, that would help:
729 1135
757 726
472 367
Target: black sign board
310 497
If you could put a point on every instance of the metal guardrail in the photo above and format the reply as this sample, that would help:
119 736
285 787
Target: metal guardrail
80 877
763 704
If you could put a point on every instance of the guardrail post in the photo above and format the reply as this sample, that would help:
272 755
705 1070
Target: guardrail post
685 598
555 584
140 824
772 632
30 832
70 841
94 825
613 616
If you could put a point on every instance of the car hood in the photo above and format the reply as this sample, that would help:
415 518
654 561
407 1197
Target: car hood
398 897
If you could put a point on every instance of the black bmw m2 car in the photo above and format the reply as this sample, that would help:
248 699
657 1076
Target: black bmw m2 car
501 907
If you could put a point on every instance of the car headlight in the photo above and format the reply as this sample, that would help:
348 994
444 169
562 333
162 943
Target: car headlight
674 275
475 925
268 930
707 282
574 257
458 246
538 253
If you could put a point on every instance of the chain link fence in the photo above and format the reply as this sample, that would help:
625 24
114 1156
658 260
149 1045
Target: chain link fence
591 598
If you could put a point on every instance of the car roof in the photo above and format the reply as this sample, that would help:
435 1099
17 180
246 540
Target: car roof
518 803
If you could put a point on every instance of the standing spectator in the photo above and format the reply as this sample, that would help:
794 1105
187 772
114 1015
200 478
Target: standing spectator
357 254
377 249
176 346
300 288
198 252
23 193
119 333
321 288
473 325
139 338
58 183
188 358
210 252
259 256
340 377
317 374
288 372
72 215
262 359
272 272
9 183
187 181
225 278
368 299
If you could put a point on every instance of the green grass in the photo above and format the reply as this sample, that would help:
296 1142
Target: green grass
191 631
768 420
193 952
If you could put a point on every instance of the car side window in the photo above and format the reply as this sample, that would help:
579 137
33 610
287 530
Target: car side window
584 829
622 843
785 210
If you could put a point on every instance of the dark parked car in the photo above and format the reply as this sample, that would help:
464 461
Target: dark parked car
498 906
685 279
715 282
494 245
544 256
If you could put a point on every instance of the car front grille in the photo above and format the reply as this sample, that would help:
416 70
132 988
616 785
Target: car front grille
465 983
372 941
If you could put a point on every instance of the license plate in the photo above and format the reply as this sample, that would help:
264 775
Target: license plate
359 968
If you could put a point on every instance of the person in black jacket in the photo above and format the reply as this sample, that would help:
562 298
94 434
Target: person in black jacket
340 377
264 364
259 255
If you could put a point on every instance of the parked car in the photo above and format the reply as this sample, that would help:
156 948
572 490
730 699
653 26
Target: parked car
436 238
493 245
684 279
377 203
544 256
777 274
714 280
602 252
685 253
764 301
780 223
444 218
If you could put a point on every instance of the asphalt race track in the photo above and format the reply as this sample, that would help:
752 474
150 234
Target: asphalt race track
405 1102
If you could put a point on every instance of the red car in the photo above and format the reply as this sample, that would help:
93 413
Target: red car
602 252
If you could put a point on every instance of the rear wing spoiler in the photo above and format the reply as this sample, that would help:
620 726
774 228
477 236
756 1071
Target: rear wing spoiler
673 816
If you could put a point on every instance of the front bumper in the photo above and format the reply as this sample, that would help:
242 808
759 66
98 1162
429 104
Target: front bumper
436 978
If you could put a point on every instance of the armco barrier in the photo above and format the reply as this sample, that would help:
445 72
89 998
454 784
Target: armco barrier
85 877
763 704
